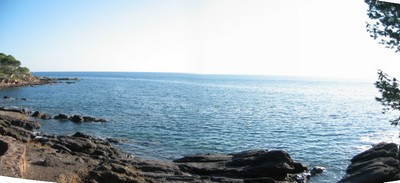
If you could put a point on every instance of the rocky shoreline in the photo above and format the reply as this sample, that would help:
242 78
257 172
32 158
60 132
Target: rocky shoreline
85 158
381 163
61 117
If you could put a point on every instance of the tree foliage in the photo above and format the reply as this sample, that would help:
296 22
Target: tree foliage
384 23
384 26
389 88
11 68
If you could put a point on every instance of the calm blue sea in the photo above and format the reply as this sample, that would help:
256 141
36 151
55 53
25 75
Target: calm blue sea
166 116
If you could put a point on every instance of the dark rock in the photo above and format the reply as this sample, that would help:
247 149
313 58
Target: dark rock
3 147
37 114
250 166
114 172
88 118
40 115
378 164
8 129
6 97
78 144
27 125
82 144
378 151
77 118
317 170
61 117
93 119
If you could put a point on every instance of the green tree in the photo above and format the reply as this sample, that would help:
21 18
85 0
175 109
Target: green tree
384 26
384 23
11 68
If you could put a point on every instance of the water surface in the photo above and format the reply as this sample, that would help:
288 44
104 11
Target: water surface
166 116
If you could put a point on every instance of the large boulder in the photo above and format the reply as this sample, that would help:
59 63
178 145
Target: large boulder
249 166
378 164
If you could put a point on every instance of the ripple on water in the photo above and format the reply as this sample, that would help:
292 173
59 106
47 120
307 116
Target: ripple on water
166 116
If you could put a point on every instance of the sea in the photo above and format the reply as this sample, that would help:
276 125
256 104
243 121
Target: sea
319 122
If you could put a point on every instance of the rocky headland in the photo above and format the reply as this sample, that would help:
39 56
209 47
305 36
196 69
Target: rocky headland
33 81
27 81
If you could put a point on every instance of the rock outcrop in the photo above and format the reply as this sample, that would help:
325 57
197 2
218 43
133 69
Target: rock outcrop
378 164
247 166
19 129
27 81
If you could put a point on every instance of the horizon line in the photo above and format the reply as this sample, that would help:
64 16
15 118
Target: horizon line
224 74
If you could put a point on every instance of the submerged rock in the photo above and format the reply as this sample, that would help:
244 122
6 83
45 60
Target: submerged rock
378 164
317 170
77 118
62 117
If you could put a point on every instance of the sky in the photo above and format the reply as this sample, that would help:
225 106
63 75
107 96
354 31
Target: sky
317 38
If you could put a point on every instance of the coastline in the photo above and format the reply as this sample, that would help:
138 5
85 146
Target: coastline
85 158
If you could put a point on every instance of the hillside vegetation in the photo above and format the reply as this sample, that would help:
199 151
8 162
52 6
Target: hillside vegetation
10 68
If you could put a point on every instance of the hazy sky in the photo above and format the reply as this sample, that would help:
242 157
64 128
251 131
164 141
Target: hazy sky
325 38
